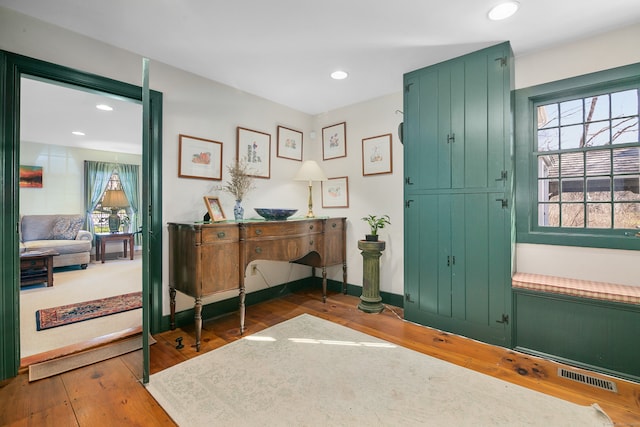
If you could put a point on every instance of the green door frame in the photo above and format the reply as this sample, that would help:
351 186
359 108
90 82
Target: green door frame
12 67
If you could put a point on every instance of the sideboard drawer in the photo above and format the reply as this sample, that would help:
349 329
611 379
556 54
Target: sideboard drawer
223 233
282 228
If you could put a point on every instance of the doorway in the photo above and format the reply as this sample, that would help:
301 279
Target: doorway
12 68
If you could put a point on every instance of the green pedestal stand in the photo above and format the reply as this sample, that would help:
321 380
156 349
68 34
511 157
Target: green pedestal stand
370 301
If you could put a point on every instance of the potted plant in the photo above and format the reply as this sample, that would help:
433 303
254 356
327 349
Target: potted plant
375 223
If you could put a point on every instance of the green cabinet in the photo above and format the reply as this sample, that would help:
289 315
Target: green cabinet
458 200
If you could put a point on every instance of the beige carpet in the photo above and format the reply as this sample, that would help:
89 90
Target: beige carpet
311 372
99 280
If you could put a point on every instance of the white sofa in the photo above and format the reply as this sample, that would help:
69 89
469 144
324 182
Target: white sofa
61 233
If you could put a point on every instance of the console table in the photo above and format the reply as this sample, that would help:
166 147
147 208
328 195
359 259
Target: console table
207 258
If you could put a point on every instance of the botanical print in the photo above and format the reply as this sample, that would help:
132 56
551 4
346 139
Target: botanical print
376 155
289 143
334 141
200 158
335 193
254 148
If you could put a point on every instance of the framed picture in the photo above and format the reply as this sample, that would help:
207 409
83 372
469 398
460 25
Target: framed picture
335 192
376 155
334 141
254 148
289 144
214 208
199 158
30 176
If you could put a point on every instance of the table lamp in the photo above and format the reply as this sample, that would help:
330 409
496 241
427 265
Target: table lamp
114 200
310 171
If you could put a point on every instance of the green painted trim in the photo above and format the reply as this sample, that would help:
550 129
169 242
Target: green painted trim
526 175
12 68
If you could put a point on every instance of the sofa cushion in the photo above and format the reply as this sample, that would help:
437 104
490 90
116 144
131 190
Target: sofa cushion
66 228
40 227
60 246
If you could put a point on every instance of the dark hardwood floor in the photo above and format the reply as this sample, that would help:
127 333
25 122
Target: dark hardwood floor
109 393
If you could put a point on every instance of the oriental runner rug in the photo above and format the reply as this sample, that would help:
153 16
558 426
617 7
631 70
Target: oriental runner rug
308 371
72 313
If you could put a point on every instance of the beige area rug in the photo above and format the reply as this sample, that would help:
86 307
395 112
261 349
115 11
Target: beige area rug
57 366
115 277
311 372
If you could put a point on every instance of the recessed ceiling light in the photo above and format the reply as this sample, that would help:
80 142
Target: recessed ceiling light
104 107
503 10
78 133
339 75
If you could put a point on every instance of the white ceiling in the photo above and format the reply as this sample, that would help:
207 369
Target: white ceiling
284 50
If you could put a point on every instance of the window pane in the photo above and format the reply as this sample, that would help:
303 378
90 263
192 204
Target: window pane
598 162
572 190
547 116
624 104
599 189
626 160
626 215
547 190
598 215
548 215
548 166
548 140
625 188
624 130
572 215
571 112
597 134
571 137
571 164
597 108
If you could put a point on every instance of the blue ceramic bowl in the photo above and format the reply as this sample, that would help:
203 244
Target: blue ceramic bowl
275 214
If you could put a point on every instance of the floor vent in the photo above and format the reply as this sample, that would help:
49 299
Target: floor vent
588 379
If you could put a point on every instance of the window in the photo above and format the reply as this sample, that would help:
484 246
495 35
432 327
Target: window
578 160
588 161
100 214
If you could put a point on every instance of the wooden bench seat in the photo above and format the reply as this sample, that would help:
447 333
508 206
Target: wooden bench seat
580 288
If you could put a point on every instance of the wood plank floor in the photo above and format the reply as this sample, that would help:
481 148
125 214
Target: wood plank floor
108 393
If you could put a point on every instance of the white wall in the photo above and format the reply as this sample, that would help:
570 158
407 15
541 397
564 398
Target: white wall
62 189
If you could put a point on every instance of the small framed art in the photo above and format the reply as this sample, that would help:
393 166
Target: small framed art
214 208
30 176
199 158
289 144
377 155
335 192
334 141
254 148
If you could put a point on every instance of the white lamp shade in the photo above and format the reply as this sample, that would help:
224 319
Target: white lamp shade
115 199
310 171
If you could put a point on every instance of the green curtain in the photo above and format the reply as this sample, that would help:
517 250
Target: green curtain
129 179
96 178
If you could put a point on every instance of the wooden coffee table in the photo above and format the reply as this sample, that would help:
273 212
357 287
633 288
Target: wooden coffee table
36 267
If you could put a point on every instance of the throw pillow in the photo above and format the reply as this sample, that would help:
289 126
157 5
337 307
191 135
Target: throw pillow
66 228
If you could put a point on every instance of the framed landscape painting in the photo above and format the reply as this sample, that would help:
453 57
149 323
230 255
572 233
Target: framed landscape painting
254 148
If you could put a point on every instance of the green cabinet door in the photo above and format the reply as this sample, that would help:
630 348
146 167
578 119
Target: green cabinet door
457 266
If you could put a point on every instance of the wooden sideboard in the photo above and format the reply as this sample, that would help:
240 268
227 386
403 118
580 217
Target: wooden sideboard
206 258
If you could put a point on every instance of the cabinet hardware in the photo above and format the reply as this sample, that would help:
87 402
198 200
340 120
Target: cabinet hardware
503 176
504 202
505 319
503 61
408 87
448 261
334 225
407 181
258 250
259 231
408 203
310 242
221 235
407 298
451 138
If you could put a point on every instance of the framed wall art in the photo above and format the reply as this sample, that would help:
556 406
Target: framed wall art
335 192
214 208
377 155
30 176
289 144
334 141
199 158
254 148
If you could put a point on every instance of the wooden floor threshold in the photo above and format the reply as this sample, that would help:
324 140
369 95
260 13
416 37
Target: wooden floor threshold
77 348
